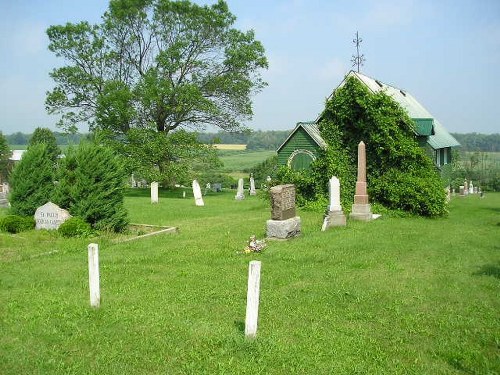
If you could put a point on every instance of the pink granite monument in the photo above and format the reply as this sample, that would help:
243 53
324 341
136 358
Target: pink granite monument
361 209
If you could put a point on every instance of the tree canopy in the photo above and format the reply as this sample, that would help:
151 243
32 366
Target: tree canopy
155 64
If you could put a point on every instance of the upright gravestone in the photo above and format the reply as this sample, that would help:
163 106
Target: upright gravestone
461 190
361 209
154 192
252 185
50 216
240 195
471 188
335 216
283 224
198 198
466 187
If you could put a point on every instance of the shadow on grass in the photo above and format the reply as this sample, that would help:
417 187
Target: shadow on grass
488 270
240 325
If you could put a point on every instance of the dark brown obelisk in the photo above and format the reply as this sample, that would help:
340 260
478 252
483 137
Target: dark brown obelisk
361 209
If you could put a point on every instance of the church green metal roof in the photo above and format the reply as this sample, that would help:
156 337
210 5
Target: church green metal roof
426 124
311 128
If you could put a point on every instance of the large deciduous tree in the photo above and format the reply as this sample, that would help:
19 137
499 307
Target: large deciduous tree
155 64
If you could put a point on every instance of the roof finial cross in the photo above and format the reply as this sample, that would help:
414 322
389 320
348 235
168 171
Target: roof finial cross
357 60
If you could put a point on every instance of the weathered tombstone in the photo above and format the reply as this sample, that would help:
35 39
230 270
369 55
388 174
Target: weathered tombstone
217 187
361 209
50 216
253 292
476 189
198 198
471 188
154 192
240 195
335 216
283 224
4 190
461 190
252 185
95 293
133 183
466 188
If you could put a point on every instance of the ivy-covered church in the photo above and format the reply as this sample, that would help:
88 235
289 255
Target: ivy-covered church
302 145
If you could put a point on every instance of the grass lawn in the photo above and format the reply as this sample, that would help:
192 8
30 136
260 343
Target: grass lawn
393 296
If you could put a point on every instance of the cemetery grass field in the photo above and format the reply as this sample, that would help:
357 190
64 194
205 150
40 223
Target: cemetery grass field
393 296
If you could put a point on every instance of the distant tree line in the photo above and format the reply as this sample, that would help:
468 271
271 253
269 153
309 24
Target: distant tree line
268 140
62 138
479 142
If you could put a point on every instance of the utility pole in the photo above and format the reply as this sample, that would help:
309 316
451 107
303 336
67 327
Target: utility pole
357 60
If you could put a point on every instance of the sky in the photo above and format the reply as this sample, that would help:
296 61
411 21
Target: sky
446 53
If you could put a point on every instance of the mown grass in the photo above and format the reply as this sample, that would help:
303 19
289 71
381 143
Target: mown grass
393 296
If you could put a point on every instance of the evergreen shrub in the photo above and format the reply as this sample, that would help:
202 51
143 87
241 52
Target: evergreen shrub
31 181
16 223
75 227
94 184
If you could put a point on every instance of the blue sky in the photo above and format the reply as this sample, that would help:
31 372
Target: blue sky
446 53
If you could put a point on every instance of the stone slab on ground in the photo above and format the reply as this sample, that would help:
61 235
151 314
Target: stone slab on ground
283 229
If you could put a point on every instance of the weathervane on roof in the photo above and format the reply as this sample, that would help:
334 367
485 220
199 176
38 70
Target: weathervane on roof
357 60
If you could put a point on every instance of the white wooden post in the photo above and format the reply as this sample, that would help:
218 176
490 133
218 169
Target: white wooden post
154 192
253 291
95 293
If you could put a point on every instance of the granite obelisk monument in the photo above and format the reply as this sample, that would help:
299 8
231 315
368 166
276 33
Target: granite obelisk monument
361 209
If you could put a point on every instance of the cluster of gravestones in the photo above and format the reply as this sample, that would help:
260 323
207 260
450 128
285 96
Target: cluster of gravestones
468 188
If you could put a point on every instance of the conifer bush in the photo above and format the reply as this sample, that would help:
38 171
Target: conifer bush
91 186
31 181
75 227
16 224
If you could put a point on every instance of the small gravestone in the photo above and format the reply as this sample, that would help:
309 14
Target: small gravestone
154 192
466 188
252 186
198 198
217 187
240 195
335 216
50 216
461 190
471 188
283 224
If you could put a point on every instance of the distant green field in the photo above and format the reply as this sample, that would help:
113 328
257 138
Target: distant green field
237 161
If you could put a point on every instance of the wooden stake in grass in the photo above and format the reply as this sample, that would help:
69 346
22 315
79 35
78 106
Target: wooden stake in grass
253 292
95 293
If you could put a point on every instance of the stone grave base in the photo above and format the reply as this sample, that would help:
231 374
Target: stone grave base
283 229
361 212
334 219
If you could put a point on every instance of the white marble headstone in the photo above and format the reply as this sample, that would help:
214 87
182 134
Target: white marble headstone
334 189
198 198
240 195
252 186
50 216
